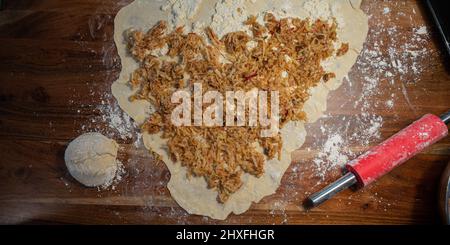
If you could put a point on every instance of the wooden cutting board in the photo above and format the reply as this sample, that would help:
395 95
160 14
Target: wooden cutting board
57 62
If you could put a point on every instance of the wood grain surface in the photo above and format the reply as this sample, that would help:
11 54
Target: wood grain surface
57 62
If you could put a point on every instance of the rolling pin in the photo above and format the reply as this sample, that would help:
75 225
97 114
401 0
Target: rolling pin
381 159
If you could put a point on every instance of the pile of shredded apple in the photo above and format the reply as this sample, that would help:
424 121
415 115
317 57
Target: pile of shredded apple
282 55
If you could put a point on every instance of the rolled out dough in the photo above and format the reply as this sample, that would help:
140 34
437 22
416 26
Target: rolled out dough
192 194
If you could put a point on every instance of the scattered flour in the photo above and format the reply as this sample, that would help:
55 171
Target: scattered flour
229 16
109 119
390 61
181 11
331 152
422 30
318 9
117 120
390 104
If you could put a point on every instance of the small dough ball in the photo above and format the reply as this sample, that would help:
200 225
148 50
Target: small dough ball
91 159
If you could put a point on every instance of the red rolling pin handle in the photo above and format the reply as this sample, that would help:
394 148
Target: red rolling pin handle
397 149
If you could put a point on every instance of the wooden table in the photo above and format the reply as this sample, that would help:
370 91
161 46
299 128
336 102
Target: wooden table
57 62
